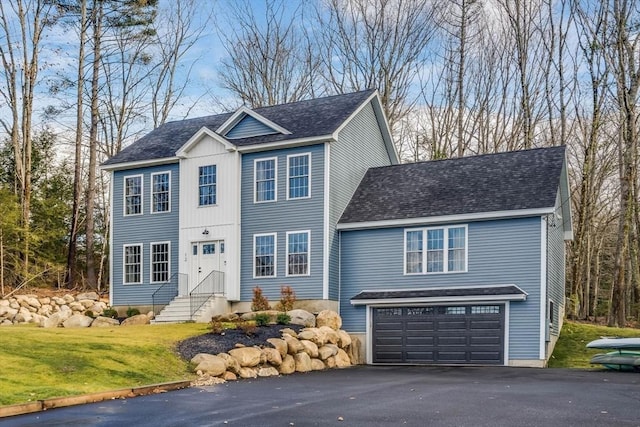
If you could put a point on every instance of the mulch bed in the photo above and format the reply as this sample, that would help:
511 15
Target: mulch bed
221 343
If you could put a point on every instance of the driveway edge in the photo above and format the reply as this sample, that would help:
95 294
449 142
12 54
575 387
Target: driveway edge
60 402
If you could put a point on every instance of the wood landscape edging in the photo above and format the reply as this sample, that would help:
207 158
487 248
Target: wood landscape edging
60 402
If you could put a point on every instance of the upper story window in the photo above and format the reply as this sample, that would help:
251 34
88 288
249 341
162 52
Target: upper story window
265 173
298 253
160 192
132 263
264 259
207 185
133 195
159 262
298 170
436 250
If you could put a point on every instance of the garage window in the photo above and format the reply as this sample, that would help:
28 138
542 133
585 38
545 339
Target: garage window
435 250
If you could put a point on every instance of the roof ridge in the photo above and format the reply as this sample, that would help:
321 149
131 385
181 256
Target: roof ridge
474 156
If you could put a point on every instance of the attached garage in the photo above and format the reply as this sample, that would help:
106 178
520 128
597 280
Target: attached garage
452 326
453 334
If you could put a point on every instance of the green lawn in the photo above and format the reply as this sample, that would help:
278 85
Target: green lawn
571 351
38 363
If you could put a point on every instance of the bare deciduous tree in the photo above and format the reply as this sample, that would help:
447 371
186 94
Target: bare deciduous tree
376 44
270 59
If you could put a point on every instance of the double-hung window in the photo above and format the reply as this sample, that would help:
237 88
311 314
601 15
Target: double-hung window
265 173
133 195
160 262
207 182
298 253
436 250
298 170
160 192
132 257
264 255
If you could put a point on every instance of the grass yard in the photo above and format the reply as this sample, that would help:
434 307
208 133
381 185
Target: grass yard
571 351
38 363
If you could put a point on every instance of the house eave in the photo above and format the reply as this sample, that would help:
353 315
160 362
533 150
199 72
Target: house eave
204 131
139 164
300 142
445 219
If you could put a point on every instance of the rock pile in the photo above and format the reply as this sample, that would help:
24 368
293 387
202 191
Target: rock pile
80 311
320 347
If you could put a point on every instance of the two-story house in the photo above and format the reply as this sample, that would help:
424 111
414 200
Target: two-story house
457 261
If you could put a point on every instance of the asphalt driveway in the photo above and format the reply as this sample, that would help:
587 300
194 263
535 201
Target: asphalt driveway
379 396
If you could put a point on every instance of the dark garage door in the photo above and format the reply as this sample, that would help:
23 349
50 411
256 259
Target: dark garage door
460 334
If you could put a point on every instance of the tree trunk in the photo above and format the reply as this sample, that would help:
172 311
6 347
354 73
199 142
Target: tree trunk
70 273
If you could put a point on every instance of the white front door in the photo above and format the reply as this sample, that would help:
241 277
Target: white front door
206 257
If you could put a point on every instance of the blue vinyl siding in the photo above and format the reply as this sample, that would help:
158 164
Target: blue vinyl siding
499 252
280 217
556 267
142 229
248 127
360 146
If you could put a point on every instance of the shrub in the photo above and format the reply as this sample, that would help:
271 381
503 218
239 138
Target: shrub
90 314
131 311
216 326
259 301
248 327
110 312
262 319
287 298
283 319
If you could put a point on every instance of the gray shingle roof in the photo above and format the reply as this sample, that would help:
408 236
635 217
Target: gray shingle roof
304 119
526 179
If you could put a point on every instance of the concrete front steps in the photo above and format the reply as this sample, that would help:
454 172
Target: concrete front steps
179 310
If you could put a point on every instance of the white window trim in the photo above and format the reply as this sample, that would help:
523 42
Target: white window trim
445 250
308 233
308 196
199 206
275 255
124 194
255 181
152 205
168 243
124 263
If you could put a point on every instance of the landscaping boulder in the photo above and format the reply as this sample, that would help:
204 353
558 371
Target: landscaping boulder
88 295
328 335
317 365
344 339
329 318
310 334
77 321
210 364
268 371
104 322
310 348
355 352
273 356
288 365
342 359
302 317
232 362
293 344
303 362
327 351
57 318
280 345
229 376
247 356
248 373
289 331
138 319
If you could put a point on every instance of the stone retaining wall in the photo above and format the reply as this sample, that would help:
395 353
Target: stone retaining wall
68 311
323 346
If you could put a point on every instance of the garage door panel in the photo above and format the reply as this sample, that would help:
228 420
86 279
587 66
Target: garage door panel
439 334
